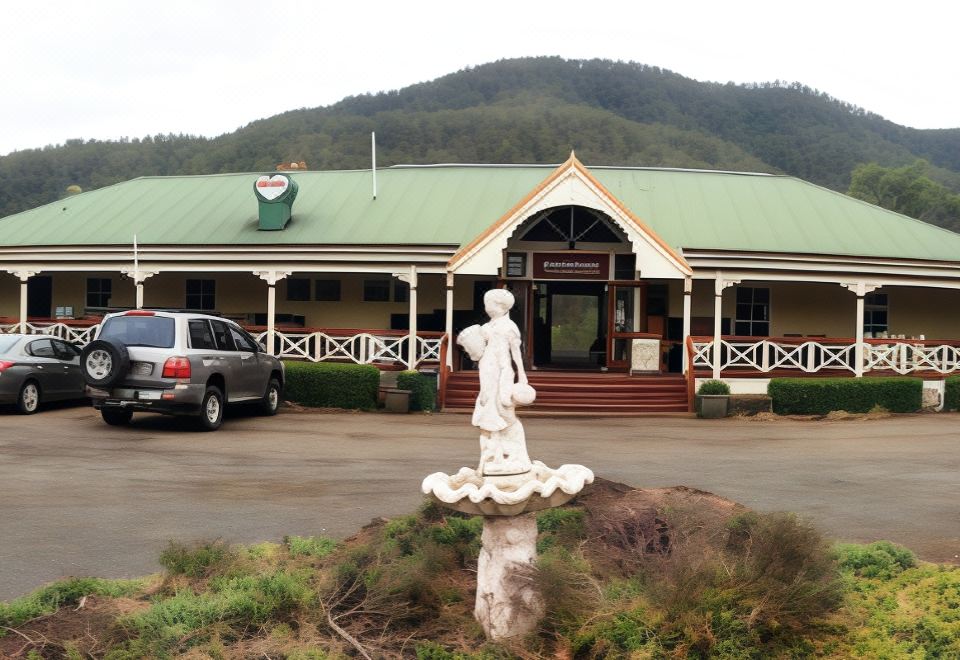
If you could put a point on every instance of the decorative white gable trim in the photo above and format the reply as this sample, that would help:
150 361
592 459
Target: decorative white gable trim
571 184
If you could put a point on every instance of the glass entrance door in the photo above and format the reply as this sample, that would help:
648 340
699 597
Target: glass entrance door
569 325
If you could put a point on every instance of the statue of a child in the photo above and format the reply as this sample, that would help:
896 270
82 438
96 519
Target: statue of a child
503 386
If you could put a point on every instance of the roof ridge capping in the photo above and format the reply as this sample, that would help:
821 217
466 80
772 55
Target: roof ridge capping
412 166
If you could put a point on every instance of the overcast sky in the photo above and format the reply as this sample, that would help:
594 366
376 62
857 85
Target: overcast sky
106 69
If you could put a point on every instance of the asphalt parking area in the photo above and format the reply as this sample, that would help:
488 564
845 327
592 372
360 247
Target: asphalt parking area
82 498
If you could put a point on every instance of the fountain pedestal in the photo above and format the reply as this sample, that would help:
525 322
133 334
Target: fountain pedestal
508 602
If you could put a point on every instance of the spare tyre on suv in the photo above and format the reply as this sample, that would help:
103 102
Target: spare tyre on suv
177 363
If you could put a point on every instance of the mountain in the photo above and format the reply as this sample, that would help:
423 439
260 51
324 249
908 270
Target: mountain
530 110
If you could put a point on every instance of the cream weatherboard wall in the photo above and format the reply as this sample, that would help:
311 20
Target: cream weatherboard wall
811 308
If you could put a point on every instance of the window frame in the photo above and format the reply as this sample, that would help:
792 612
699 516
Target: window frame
317 289
300 282
201 296
100 292
872 328
368 283
753 321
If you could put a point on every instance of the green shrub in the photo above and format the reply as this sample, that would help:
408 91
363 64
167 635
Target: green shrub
329 385
951 394
819 396
709 387
560 526
882 559
312 546
61 594
423 389
195 560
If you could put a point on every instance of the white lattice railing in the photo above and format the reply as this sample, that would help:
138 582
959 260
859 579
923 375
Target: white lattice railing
361 347
902 356
80 335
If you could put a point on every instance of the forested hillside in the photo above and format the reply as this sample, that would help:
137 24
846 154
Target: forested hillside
524 111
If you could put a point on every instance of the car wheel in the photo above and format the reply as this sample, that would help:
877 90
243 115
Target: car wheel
29 399
271 400
211 409
116 416
103 362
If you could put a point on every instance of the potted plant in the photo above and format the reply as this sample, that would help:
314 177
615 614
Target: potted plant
713 398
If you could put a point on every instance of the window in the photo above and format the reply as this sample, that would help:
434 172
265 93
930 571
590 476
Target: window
64 350
753 312
201 294
154 331
200 335
242 340
222 335
327 290
41 348
874 314
401 292
99 290
298 288
376 290
625 267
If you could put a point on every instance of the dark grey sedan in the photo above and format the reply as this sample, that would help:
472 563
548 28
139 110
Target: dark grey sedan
35 369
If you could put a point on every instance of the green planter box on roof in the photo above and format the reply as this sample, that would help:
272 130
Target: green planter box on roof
275 195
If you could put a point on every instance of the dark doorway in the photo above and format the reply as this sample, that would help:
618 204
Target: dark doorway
570 325
39 296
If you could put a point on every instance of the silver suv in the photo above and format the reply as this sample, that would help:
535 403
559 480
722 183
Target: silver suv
179 364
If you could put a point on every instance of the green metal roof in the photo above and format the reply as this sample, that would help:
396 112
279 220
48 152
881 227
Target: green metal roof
452 204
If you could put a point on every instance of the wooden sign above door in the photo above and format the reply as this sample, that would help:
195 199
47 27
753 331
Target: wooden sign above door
571 266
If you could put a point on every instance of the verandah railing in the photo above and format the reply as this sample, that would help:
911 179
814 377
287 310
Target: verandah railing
361 346
78 332
812 355
353 345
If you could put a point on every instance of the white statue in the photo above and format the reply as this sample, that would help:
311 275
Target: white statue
503 386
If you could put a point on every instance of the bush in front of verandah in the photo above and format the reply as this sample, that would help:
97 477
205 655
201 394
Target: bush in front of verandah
714 407
951 393
712 388
423 389
331 385
820 396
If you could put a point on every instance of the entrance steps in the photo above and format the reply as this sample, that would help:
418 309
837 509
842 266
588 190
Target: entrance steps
583 393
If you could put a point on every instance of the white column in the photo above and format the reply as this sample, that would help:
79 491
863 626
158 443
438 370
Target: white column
687 307
138 277
23 304
719 285
858 350
861 289
23 276
448 325
412 336
271 277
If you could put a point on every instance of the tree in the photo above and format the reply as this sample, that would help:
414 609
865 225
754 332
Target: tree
907 190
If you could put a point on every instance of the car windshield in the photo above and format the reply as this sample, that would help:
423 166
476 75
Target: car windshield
7 343
153 331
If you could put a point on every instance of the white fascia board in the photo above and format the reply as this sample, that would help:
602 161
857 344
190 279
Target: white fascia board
571 189
812 271
744 276
208 267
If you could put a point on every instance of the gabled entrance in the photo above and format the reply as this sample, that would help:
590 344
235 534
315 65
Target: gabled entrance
579 263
